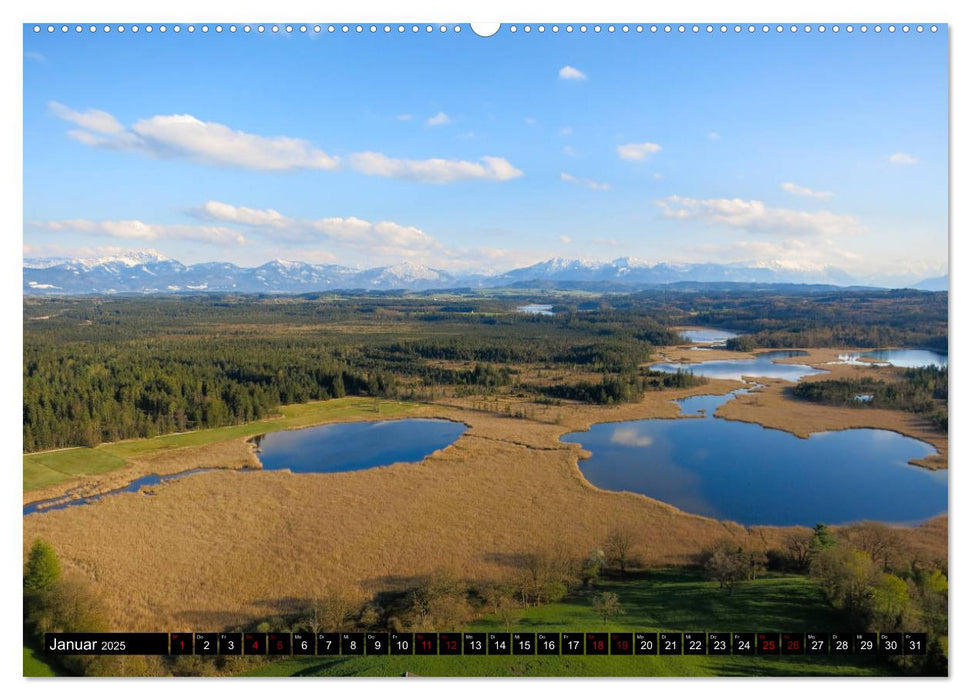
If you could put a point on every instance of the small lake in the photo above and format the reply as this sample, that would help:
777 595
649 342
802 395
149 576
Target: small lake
762 365
757 476
537 309
338 447
898 357
344 447
715 336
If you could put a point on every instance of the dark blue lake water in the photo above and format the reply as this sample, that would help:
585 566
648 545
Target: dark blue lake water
344 447
757 476
762 365
339 447
899 357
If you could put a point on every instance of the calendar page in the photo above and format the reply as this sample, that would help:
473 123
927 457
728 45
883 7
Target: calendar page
552 349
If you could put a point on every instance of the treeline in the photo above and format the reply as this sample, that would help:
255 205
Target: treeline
86 393
438 600
444 600
871 318
864 573
920 390
622 388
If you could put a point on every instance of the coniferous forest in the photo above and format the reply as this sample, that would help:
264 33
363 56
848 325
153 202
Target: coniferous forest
106 369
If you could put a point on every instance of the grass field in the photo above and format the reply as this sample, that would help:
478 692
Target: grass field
672 600
34 667
43 469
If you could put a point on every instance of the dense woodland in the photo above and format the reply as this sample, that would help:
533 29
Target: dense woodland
104 369
920 390
872 319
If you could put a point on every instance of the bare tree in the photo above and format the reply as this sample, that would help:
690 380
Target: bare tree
617 548
798 546
727 563
881 542
336 605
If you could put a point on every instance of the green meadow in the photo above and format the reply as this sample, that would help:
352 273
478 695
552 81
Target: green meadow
34 667
671 600
49 468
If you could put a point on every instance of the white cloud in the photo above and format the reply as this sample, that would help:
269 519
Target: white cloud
901 158
440 119
530 120
658 176
714 135
793 188
219 211
133 229
184 136
565 239
629 437
437 170
215 144
35 56
358 241
754 216
86 252
571 73
586 182
91 119
600 240
403 117
387 237
570 151
565 131
792 254
637 151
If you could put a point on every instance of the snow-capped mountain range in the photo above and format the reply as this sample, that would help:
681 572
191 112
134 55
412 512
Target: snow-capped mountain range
151 273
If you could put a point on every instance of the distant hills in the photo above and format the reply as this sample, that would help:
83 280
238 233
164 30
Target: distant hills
151 273
933 284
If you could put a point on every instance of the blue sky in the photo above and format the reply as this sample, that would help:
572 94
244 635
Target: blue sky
466 153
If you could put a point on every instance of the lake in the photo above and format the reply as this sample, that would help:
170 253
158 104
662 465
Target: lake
898 357
716 336
762 365
539 309
338 447
757 476
343 447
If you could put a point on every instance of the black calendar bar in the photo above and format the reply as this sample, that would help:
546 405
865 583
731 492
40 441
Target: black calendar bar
107 643
488 644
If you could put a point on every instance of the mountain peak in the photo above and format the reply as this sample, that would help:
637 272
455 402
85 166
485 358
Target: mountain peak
148 272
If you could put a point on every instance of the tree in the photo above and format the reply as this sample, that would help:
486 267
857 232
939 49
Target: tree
593 567
370 617
607 605
509 611
727 563
617 548
798 546
847 576
891 602
43 570
337 604
822 539
546 577
881 542
440 600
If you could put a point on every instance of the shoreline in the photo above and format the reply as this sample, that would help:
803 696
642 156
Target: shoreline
506 485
